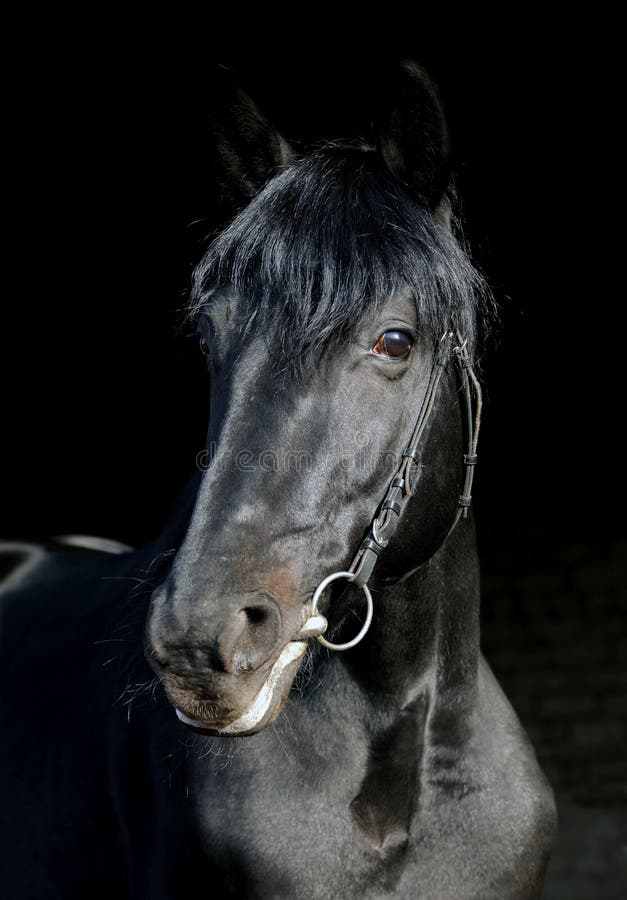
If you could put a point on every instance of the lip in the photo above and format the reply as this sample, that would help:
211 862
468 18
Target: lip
266 705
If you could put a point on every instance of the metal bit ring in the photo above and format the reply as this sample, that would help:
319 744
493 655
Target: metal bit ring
349 576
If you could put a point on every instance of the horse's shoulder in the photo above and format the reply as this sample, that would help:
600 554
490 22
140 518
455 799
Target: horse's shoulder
491 794
499 727
520 797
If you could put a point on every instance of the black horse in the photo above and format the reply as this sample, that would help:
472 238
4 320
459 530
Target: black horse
339 316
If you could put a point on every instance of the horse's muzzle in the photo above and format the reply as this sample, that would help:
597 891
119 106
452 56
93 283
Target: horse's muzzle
237 682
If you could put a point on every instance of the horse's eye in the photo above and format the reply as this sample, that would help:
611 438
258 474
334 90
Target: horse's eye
394 344
204 345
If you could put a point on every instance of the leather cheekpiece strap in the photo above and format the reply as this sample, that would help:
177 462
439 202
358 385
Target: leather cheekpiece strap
385 522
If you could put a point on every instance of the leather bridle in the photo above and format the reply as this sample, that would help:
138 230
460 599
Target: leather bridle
382 527
385 520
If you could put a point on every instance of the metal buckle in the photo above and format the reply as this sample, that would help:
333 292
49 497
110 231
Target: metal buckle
381 541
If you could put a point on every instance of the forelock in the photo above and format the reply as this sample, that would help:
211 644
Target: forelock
325 244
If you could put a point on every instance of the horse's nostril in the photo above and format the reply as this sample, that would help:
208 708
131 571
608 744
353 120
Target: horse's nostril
256 615
249 637
243 635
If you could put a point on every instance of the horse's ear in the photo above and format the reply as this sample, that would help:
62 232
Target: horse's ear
412 134
248 150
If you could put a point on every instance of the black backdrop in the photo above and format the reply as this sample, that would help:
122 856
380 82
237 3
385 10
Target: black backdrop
104 397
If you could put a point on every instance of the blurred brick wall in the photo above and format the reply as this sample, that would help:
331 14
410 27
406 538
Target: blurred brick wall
555 633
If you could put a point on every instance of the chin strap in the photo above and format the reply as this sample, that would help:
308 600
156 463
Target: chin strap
385 520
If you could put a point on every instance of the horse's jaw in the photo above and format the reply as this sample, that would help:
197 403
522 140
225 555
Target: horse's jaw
267 704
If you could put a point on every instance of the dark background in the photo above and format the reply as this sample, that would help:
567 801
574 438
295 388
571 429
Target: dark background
104 396
105 399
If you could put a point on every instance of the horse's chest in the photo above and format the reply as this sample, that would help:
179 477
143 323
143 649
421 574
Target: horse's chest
282 831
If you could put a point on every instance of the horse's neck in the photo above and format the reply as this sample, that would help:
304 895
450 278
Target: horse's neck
418 671
424 639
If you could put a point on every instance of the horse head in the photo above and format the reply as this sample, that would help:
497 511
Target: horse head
321 308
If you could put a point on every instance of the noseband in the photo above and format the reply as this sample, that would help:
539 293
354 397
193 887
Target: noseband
385 520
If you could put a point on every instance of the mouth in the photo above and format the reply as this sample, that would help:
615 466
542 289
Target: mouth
272 695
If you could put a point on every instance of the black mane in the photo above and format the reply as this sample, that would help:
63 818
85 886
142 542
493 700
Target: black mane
328 240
